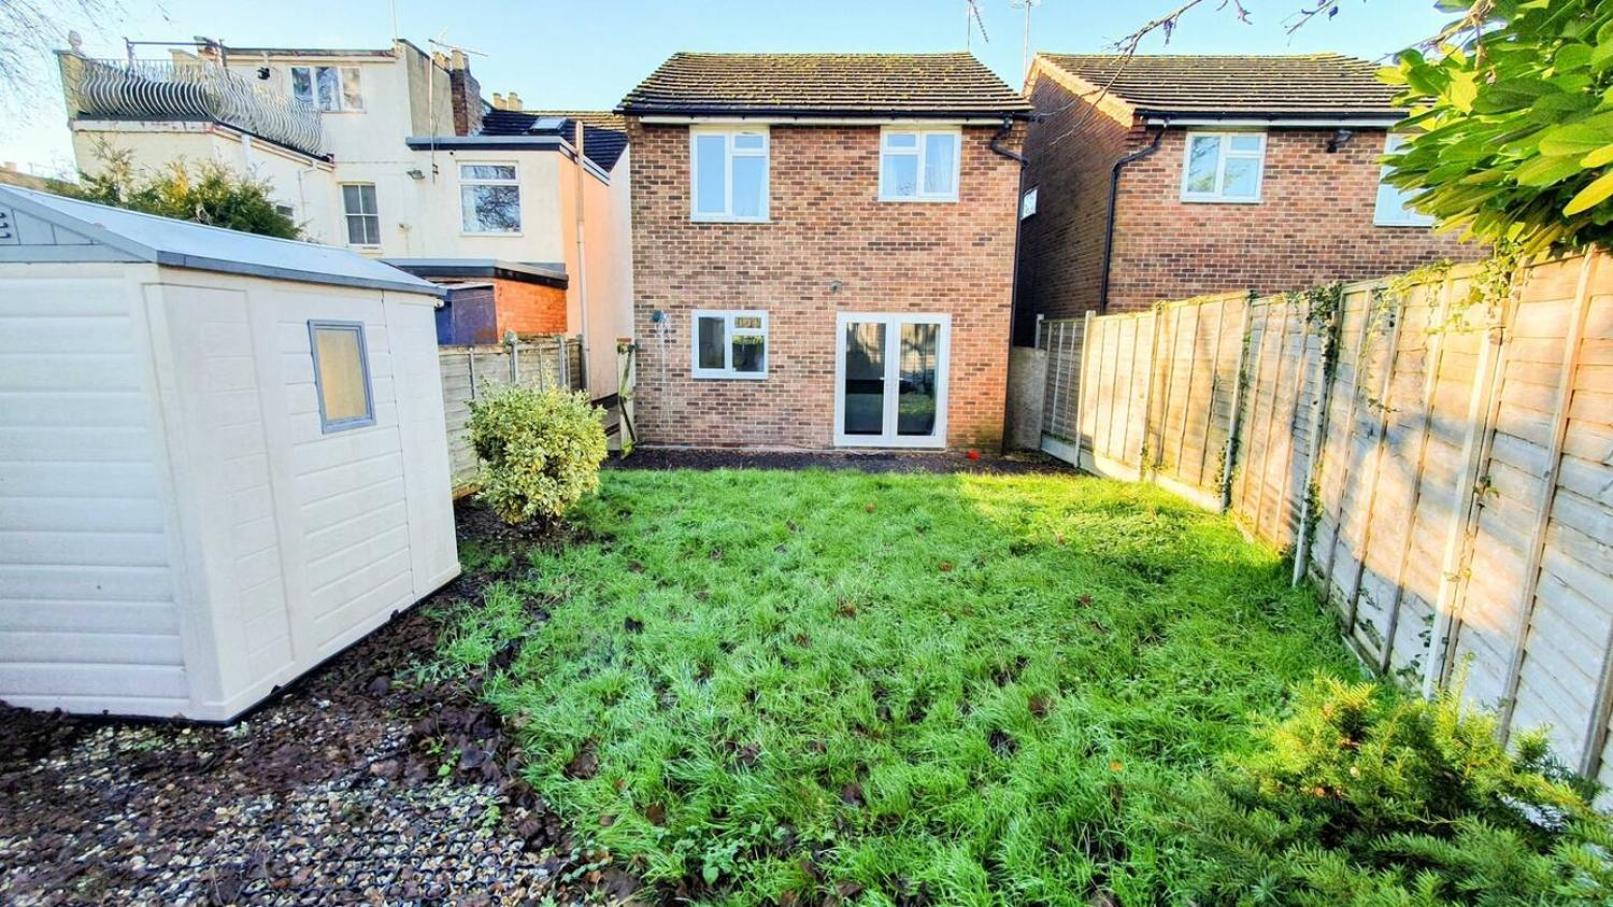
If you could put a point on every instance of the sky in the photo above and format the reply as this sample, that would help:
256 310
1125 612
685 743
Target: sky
584 54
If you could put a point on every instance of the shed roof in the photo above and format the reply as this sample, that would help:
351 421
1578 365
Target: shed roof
943 84
45 227
1317 85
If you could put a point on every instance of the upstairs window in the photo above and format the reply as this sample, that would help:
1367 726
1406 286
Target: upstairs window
919 165
728 174
363 218
490 198
1224 167
341 375
730 345
1394 204
328 88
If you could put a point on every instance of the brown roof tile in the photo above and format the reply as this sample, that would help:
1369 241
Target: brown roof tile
1313 84
823 84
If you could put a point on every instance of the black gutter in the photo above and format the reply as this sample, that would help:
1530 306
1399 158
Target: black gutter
1002 133
1114 197
815 112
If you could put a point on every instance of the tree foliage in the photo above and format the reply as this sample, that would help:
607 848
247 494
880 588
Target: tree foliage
1365 797
207 193
1513 112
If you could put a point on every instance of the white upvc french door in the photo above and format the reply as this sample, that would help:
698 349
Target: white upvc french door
891 379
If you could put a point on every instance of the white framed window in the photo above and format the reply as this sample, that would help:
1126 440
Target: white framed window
1224 167
728 344
1027 203
728 173
490 199
1394 208
919 165
363 218
332 89
341 375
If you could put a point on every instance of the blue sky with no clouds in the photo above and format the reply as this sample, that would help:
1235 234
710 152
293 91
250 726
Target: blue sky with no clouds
588 54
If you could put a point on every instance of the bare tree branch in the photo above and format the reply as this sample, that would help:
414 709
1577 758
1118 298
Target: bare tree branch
30 30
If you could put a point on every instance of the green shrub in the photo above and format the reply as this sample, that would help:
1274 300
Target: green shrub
1363 796
540 451
207 193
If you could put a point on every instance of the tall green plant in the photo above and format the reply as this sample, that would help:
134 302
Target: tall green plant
207 193
1514 117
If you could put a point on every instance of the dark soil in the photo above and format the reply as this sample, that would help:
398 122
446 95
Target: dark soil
928 462
370 780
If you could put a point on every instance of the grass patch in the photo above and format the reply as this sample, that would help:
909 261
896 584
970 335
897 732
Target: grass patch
775 686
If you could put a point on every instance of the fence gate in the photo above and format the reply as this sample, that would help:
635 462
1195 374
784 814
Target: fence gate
1061 404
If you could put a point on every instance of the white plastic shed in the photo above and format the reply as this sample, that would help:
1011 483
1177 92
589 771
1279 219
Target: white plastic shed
222 458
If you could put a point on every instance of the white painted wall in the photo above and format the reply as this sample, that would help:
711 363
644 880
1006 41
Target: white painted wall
179 535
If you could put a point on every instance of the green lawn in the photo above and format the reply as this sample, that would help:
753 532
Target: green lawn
773 686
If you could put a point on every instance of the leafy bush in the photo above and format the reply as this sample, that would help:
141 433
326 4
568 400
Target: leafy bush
540 450
206 193
1362 796
1516 112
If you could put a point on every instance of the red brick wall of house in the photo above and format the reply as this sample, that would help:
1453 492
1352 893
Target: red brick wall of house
831 246
529 308
1072 151
1313 225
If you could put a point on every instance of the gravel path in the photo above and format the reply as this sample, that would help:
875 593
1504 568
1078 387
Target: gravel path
367 782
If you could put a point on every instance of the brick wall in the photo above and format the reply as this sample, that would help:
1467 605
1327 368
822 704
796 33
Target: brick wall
831 247
1072 151
1314 223
466 93
529 308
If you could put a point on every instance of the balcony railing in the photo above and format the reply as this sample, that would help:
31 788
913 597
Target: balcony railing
162 90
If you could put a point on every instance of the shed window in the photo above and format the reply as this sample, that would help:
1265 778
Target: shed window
728 171
919 165
328 88
490 198
730 345
341 375
1224 167
1394 204
363 218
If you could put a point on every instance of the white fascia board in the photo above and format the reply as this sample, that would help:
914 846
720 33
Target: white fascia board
669 120
1285 122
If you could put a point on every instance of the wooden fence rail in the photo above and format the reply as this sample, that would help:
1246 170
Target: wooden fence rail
1440 462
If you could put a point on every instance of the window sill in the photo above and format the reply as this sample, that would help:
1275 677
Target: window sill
713 219
1202 200
491 234
951 200
699 375
1397 225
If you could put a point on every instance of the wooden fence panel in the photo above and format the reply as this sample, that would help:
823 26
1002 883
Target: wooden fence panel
1461 455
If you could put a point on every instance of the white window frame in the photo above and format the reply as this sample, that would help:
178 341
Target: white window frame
729 153
1027 203
920 133
1226 152
937 438
328 425
341 85
520 213
1399 213
375 215
729 333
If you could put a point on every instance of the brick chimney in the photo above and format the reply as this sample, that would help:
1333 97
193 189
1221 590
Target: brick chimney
467 95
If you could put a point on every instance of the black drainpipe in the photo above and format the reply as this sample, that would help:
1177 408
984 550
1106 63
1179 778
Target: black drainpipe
1002 133
1114 196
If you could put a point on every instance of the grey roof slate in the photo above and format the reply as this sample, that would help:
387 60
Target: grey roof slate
944 84
1323 84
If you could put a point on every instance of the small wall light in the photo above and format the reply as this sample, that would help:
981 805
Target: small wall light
1339 140
416 174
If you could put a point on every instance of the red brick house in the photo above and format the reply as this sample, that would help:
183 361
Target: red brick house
823 249
1163 177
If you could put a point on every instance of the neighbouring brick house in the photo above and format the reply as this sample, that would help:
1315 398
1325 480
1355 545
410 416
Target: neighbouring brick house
1281 189
823 249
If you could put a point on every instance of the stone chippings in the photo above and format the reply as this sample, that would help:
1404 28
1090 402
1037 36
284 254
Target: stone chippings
352 787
